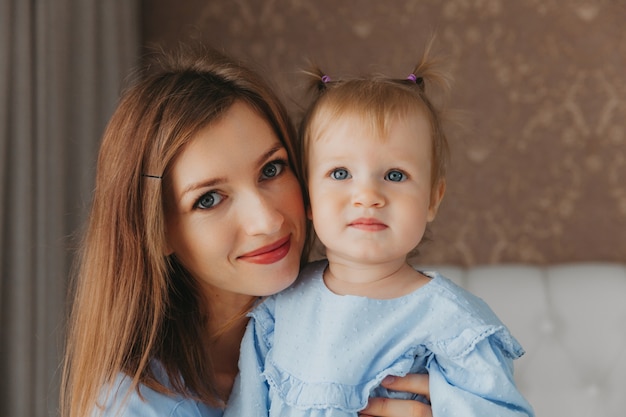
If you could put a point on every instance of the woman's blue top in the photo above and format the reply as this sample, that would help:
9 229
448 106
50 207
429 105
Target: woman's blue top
121 401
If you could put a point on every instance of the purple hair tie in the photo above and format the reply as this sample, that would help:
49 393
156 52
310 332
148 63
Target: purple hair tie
412 77
325 79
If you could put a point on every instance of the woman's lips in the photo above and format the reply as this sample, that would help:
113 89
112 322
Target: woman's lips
368 224
269 254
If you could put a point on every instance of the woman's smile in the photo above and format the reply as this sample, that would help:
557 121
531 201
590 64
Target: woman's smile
269 254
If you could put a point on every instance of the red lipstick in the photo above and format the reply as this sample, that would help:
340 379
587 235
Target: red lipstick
269 254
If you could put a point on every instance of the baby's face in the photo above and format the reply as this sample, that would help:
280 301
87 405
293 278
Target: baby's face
370 195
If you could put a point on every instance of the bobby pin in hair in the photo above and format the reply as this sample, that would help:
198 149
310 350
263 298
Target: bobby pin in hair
152 176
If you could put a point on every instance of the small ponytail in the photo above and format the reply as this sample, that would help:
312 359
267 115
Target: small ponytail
430 70
417 80
318 80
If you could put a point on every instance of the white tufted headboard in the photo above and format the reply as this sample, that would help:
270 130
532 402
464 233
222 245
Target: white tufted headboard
571 320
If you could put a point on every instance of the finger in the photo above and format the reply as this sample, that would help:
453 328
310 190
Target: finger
387 407
413 383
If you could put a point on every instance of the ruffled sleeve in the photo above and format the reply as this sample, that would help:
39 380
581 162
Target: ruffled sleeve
472 376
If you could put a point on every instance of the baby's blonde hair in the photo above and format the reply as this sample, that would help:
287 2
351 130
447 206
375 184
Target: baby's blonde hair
379 101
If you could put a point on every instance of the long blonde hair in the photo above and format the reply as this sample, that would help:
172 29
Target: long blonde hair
132 304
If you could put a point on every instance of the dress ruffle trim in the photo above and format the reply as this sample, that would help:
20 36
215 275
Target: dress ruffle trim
313 398
318 399
463 344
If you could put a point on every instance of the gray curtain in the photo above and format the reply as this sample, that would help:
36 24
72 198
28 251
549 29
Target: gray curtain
62 63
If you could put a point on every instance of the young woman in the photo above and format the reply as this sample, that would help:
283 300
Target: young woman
197 211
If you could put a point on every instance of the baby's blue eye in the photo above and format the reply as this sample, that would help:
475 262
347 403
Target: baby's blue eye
209 200
395 176
339 174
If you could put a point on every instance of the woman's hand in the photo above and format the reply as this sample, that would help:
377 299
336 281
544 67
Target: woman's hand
387 407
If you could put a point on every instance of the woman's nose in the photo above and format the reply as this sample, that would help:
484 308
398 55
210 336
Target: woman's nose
260 214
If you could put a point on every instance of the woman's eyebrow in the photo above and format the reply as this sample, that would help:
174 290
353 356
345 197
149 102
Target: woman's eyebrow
220 180
202 184
269 153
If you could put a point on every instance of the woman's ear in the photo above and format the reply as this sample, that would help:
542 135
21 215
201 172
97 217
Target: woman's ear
169 214
167 247
436 196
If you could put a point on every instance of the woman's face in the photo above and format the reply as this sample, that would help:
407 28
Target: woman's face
235 217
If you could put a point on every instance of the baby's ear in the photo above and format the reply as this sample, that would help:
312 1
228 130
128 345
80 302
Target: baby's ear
436 196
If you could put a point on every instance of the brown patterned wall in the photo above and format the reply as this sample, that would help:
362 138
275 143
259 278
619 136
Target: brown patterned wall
540 176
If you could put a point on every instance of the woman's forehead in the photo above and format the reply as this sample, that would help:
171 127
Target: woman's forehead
239 138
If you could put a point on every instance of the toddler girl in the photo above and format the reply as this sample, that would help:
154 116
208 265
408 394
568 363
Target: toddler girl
374 155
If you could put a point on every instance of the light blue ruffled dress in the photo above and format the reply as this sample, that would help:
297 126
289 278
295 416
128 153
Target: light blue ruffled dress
308 352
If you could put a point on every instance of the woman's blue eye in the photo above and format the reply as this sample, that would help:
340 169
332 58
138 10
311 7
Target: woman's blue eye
339 174
395 176
273 169
209 200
